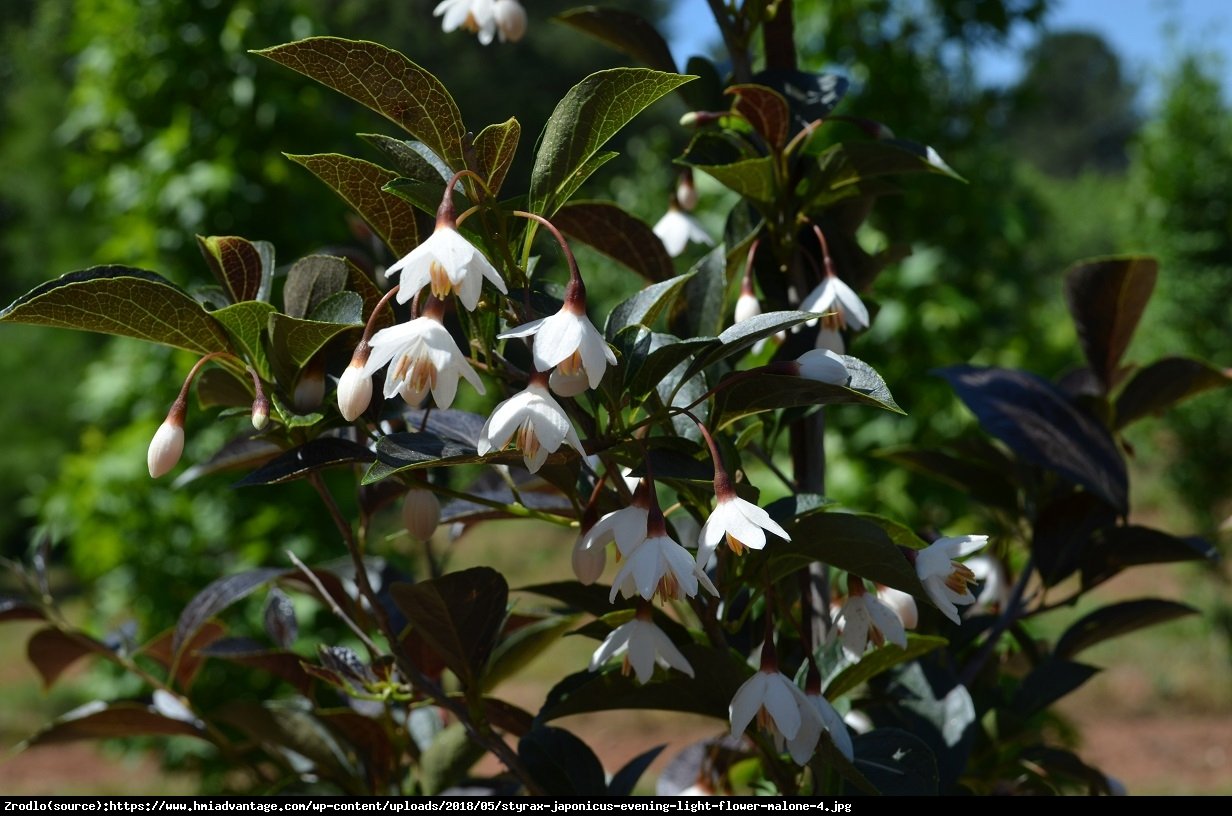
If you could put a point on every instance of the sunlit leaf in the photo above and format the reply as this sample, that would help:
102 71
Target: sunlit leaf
495 147
246 323
618 235
644 306
238 265
361 184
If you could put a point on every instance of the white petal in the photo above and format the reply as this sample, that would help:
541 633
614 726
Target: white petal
804 744
781 705
887 621
936 591
558 338
642 649
595 354
504 421
834 725
854 311
668 653
747 702
612 645
525 330
762 519
962 546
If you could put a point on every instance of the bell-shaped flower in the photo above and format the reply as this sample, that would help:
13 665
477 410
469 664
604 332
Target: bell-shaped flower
355 387
741 523
627 526
864 618
643 645
832 723
538 420
840 300
477 16
510 19
422 357
167 446
677 228
448 262
902 603
781 709
947 581
569 342
994 585
658 565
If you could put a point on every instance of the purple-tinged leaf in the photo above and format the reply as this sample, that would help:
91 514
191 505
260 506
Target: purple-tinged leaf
11 609
625 780
810 96
765 110
216 597
237 454
314 455
52 651
279 618
560 763
1106 298
495 147
282 664
1118 548
618 235
238 265
188 660
1157 387
100 720
1048 682
1115 620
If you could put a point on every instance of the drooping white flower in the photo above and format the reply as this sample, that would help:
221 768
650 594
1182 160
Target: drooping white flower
448 262
832 723
832 339
821 365
627 526
167 445
569 342
781 709
902 603
945 579
863 618
355 387
473 15
994 589
741 523
510 20
834 296
643 645
657 564
538 420
422 357
568 385
421 513
677 228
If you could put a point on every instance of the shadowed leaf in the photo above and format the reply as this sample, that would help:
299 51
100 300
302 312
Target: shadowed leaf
1115 620
246 323
810 96
1118 548
310 281
99 720
625 31
216 597
618 235
279 619
880 660
317 454
52 651
1048 682
12 609
561 763
281 663
413 159
1164 383
750 176
766 392
1106 298
764 109
625 780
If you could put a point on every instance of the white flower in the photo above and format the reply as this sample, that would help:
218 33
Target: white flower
831 722
832 295
539 421
422 357
166 447
588 561
782 709
747 307
658 564
946 580
421 513
822 365
643 644
995 592
626 525
354 390
677 228
902 603
473 15
568 385
832 339
568 341
450 263
510 20
866 618
742 523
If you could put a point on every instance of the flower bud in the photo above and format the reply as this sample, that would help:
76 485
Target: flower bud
510 19
260 412
310 390
822 365
686 193
354 389
167 445
588 561
421 513
747 307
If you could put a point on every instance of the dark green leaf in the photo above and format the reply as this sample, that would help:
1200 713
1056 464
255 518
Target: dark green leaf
384 81
764 109
896 762
592 599
1048 682
245 323
1164 383
852 168
459 615
52 651
644 306
1039 423
785 510
706 92
224 388
648 357
314 455
810 96
495 147
447 759
1106 298
560 763
701 309
624 780
1118 548
883 659
1115 620
522 646
571 184
765 392
413 159
980 480
293 342
310 281
361 184
751 177
590 114
625 31
616 234
341 307
238 266
216 597
100 720
745 334
121 300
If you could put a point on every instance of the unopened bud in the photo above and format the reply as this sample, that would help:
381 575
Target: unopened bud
747 307
588 562
694 119
510 19
310 390
355 387
260 412
421 513
686 193
167 446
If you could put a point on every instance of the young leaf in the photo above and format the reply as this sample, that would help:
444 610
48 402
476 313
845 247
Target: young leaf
100 720
459 615
1115 620
590 114
246 323
121 300
495 147
1164 383
384 81
237 265
625 31
1038 422
616 234
644 306
810 96
361 184
561 763
1106 298
765 110
314 455
52 651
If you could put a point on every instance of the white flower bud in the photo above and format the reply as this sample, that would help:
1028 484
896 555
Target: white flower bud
421 513
354 391
166 447
686 193
822 365
747 307
310 390
588 560
510 19
260 413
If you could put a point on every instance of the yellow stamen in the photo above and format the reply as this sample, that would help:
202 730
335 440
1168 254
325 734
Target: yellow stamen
960 578
441 284
625 668
528 443
669 588
736 545
571 366
423 375
874 634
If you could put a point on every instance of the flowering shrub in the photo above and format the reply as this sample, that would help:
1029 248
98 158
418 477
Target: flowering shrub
650 432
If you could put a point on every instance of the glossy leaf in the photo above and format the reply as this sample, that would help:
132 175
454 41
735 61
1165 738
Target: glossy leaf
408 451
764 109
246 323
100 720
310 281
1118 548
648 357
616 234
495 147
1106 298
314 455
881 660
590 114
1157 387
411 158
238 266
361 184
744 335
701 309
294 342
644 306
625 31
121 300
750 176
1036 420
765 392
1115 620
896 762
384 81
217 596
51 651
459 615
560 763
447 423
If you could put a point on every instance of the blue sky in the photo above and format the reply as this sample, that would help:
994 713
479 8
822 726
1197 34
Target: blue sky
1144 32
